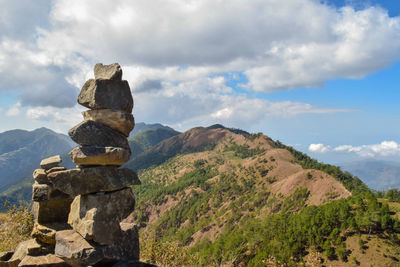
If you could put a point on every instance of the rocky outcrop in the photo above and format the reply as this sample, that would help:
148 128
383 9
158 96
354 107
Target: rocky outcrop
78 212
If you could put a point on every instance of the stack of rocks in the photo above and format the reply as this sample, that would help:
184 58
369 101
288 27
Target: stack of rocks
79 212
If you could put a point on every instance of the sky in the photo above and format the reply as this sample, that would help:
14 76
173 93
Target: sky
322 76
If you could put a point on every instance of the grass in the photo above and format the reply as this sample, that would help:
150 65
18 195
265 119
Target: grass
15 226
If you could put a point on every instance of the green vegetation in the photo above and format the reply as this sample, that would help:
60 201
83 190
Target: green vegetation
392 195
15 226
243 151
352 183
289 236
254 225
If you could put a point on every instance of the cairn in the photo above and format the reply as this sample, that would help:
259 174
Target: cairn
79 212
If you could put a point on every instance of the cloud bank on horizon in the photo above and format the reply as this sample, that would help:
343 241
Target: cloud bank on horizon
189 62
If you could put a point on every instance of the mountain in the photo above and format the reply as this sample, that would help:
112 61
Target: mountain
21 152
221 197
377 174
218 196
141 127
147 137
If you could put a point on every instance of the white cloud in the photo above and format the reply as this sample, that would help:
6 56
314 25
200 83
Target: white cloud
176 54
318 148
385 148
62 119
14 110
204 102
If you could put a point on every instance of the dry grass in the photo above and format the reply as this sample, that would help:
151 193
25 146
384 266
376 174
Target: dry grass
15 226
164 254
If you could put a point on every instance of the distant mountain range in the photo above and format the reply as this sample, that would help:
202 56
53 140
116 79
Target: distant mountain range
21 152
377 174
230 198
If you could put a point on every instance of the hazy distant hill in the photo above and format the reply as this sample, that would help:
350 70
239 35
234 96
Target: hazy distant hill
148 136
21 152
141 127
378 175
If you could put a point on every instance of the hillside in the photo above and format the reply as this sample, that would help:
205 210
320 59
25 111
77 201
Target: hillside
21 152
149 137
214 194
377 174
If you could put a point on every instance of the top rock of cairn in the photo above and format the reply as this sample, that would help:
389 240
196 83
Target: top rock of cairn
110 72
107 90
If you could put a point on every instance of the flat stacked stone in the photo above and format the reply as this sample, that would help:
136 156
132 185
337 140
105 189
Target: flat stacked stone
79 212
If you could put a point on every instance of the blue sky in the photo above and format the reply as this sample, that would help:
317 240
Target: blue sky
322 76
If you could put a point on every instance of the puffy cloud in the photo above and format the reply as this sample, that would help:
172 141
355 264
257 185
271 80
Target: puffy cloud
62 118
318 148
177 55
385 148
208 100
14 110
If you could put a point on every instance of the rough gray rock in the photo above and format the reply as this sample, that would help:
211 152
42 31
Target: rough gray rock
30 247
94 155
47 233
112 71
50 162
127 247
118 120
106 94
91 133
40 192
75 250
55 210
46 192
97 217
40 176
43 261
90 180
55 169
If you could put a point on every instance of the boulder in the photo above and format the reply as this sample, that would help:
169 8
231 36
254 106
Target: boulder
91 133
75 250
55 169
112 71
40 176
81 181
97 216
94 155
118 120
47 233
54 210
43 261
51 162
106 94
